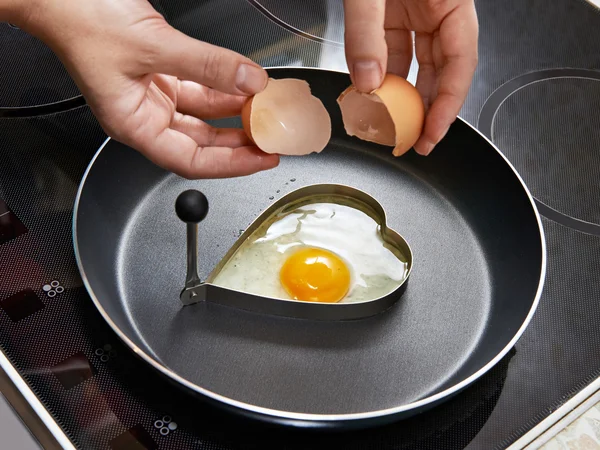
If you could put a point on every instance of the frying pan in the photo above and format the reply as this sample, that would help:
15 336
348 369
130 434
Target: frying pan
479 265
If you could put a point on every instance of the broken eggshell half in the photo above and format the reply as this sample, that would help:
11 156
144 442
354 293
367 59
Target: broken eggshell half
391 115
285 118
332 193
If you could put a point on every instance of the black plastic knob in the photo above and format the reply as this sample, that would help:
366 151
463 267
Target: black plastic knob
191 206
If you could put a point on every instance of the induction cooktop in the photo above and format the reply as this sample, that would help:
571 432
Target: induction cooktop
536 94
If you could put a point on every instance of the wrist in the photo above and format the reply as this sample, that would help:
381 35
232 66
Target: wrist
37 17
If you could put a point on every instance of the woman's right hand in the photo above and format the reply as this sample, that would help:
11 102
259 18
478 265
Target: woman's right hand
150 85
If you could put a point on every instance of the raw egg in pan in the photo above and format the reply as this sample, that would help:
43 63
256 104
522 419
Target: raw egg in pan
324 249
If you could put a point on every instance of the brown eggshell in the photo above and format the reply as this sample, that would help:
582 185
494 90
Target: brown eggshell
391 115
246 112
285 118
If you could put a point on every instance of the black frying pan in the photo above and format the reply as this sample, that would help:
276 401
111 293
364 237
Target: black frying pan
479 266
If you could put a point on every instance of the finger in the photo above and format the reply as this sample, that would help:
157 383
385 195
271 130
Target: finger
366 50
458 44
175 53
203 102
206 135
400 51
427 75
179 153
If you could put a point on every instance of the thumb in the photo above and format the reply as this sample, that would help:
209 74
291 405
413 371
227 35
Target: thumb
366 49
187 58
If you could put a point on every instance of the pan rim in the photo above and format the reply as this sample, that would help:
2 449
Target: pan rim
284 416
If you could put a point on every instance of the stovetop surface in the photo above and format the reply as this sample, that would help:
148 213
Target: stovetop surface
536 93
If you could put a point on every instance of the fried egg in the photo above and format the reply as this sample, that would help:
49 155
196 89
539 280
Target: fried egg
319 252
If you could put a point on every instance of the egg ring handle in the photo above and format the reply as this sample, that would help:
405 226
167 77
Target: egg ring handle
191 207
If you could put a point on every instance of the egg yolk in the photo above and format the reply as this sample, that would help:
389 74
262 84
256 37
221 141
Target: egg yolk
315 275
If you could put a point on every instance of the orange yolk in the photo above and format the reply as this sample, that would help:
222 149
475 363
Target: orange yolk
315 275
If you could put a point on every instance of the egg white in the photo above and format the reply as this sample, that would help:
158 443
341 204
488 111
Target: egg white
348 232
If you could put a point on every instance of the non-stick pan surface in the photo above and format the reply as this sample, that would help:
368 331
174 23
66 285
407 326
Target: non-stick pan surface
479 265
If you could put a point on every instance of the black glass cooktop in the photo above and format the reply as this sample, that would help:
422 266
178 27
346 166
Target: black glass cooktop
536 94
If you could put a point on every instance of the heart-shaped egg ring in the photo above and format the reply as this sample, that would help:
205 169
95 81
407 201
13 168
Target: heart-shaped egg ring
196 291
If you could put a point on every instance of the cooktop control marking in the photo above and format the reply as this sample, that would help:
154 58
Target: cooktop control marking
53 288
105 353
165 425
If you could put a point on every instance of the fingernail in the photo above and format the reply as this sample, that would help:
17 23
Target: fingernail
425 149
250 79
367 75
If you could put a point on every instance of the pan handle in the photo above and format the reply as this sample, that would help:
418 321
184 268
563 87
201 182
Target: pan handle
191 207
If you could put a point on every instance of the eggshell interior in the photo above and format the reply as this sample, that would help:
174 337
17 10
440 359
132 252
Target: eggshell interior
287 119
366 117
391 115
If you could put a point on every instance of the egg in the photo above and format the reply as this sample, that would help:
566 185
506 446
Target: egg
324 252
315 275
285 118
391 115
